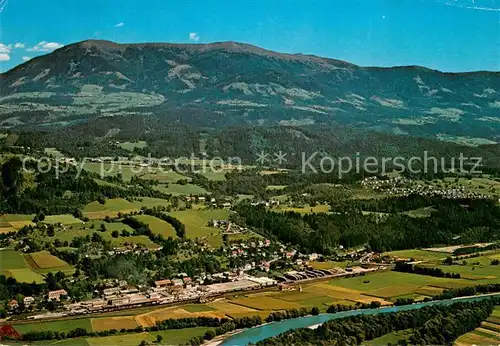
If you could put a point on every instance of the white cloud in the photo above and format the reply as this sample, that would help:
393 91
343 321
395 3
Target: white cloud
4 57
119 25
44 46
5 48
19 45
26 58
193 36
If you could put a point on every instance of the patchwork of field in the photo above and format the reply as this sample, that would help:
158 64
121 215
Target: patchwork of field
181 190
13 264
392 285
158 226
487 334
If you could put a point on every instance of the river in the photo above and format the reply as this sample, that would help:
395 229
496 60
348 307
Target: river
256 334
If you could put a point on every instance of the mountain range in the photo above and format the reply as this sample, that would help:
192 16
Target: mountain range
230 83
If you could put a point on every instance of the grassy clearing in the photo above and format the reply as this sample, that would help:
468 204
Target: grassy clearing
132 145
24 275
276 187
215 176
196 221
421 212
474 272
198 308
150 202
328 264
111 208
229 308
122 340
419 255
170 337
158 226
65 219
53 152
180 336
182 190
94 226
59 326
394 291
12 259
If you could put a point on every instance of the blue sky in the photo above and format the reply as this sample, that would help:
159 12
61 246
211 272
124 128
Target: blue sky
449 35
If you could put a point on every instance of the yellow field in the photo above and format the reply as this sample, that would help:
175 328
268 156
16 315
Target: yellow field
44 260
266 303
7 230
20 224
341 293
228 308
108 323
151 318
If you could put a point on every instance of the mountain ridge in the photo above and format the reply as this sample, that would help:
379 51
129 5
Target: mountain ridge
231 83
254 48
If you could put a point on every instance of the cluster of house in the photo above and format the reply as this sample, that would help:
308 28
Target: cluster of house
212 201
402 187
28 301
268 203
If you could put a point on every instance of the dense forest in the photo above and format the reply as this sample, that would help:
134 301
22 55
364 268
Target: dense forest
450 223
